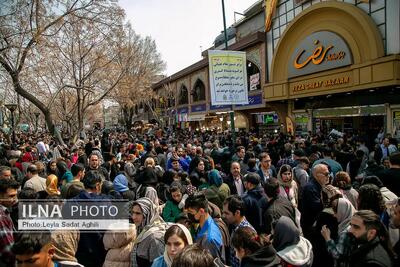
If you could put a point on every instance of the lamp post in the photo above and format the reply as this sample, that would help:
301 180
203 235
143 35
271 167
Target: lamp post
232 112
37 120
12 108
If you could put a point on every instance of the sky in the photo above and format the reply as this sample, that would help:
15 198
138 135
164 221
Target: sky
182 28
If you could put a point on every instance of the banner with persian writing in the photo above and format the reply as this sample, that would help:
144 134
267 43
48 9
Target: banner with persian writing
228 77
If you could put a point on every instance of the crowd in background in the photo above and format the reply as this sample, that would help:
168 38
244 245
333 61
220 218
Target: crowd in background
201 199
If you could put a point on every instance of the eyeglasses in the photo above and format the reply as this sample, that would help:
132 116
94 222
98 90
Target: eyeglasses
326 174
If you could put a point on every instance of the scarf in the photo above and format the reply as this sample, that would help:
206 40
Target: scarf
287 184
285 233
167 258
150 212
51 185
345 211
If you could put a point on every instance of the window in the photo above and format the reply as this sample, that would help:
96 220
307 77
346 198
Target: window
199 91
183 96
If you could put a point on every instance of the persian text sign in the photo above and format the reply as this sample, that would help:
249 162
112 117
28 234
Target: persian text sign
318 52
228 77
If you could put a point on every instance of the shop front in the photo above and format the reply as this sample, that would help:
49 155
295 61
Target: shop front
331 68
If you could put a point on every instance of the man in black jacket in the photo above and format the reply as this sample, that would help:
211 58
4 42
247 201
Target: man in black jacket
373 246
252 199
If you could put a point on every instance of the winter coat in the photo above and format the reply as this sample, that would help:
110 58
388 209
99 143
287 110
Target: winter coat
300 254
252 200
119 245
264 257
370 254
171 211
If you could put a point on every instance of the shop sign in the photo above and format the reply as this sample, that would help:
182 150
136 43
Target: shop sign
253 100
319 51
198 108
198 117
228 77
183 110
271 118
331 82
396 115
212 107
303 119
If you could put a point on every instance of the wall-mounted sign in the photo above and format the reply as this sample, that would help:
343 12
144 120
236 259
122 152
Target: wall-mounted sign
319 51
253 100
183 110
198 108
228 77
321 84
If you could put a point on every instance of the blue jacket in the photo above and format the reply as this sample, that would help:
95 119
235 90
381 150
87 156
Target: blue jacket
159 262
209 237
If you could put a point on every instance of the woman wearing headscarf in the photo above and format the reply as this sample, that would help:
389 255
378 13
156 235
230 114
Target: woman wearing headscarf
120 184
218 191
253 250
52 185
288 187
292 249
341 248
151 229
176 238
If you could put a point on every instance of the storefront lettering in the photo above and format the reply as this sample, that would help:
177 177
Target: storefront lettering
319 84
318 56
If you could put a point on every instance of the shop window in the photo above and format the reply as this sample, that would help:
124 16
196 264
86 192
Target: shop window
183 96
253 76
199 91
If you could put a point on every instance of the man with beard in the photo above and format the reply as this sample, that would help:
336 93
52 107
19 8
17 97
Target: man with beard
94 165
373 246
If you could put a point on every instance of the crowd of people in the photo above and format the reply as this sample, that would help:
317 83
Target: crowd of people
201 199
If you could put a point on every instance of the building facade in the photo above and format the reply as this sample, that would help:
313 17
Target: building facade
323 65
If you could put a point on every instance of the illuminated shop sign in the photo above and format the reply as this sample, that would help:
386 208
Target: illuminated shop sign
318 52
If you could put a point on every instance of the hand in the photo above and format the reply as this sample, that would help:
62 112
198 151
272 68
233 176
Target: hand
326 233
269 238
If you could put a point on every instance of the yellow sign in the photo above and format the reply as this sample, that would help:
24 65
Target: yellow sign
321 84
318 56
270 7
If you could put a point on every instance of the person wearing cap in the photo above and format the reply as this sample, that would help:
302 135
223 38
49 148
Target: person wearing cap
252 199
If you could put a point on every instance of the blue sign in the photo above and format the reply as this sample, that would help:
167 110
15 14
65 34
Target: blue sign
183 110
253 100
219 107
198 108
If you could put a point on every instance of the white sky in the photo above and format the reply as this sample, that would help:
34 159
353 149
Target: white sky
180 27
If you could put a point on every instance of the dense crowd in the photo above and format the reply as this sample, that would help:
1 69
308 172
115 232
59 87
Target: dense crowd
201 199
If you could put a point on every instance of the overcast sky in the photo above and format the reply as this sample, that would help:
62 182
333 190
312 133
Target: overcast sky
180 27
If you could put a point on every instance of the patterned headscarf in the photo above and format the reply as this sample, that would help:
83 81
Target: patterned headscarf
149 209
51 185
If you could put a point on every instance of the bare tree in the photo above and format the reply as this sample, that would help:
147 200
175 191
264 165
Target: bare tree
145 67
26 30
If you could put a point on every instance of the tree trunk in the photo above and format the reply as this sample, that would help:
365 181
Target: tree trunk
45 110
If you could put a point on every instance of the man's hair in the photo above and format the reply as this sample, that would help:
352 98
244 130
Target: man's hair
91 179
263 155
370 198
7 184
197 201
31 243
27 193
394 158
239 148
76 168
4 168
193 256
96 142
271 188
93 154
32 169
235 203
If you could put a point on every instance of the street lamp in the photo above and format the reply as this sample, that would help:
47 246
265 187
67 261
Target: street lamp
37 120
12 108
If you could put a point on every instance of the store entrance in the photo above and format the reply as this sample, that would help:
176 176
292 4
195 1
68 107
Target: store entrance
364 126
